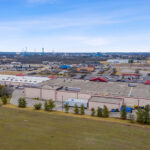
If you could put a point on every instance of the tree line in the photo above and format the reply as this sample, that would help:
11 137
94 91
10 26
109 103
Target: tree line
5 93
142 115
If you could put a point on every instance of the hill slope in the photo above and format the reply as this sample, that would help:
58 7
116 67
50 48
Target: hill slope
25 130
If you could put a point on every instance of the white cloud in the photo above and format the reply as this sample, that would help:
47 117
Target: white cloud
64 43
95 41
87 41
56 22
38 32
58 43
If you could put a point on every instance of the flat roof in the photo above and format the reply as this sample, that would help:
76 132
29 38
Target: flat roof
127 74
23 79
118 89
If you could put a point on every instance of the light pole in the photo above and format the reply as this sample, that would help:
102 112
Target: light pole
62 103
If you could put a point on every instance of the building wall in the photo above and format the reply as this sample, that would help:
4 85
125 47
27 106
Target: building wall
62 95
136 101
7 83
48 94
95 105
130 101
32 92
53 94
143 102
83 96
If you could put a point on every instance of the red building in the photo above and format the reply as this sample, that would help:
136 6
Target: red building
99 79
130 76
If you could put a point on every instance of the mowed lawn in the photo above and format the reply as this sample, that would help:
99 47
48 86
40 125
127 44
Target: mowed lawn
29 130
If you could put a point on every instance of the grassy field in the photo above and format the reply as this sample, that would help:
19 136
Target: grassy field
32 130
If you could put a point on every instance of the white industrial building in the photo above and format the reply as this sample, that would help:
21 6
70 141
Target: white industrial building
21 80
118 61
124 61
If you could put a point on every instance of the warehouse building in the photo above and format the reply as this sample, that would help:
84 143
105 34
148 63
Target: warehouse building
130 76
55 93
110 102
98 94
118 61
86 69
21 80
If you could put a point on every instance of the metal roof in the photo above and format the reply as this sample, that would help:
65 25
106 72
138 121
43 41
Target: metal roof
22 79
125 74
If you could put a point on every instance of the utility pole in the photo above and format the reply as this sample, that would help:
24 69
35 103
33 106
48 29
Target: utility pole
62 103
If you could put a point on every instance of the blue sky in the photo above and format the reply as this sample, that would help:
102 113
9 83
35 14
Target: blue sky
75 25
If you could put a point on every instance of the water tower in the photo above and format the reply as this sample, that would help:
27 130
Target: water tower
43 51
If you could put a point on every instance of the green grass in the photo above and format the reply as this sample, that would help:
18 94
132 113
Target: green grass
32 130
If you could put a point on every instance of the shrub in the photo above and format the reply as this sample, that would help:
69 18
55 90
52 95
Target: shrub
37 106
140 116
22 102
2 91
99 112
146 114
76 109
123 112
82 110
4 100
46 106
51 105
93 112
66 106
143 115
105 112
5 91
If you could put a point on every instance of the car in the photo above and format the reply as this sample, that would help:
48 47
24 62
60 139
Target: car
20 87
119 80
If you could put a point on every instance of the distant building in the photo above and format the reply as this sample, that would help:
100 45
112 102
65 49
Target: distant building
16 63
65 67
86 69
118 61
17 66
21 80
45 62
124 61
63 72
130 76
140 61
51 63
43 51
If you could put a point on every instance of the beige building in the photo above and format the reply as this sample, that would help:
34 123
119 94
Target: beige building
54 94
98 94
